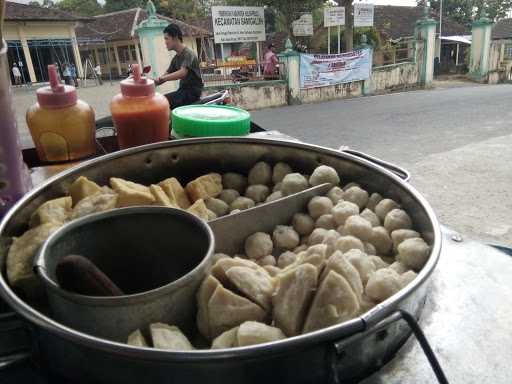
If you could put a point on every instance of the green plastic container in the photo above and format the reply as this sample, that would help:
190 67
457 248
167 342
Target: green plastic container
210 120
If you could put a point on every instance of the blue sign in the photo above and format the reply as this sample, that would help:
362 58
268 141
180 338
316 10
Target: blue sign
318 70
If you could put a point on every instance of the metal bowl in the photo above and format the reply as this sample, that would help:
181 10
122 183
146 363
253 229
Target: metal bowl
341 353
158 256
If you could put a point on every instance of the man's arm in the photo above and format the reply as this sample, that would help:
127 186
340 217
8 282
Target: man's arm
177 75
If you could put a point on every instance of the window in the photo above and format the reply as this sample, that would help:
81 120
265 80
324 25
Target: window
124 56
508 51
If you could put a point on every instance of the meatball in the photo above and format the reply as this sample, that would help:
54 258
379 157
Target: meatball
241 203
229 195
234 181
319 205
280 171
326 222
357 196
373 200
350 185
285 237
261 173
285 259
384 207
267 260
217 206
346 243
382 284
335 194
303 224
400 235
274 196
258 193
343 210
293 183
359 227
258 245
413 253
397 219
371 217
324 174
317 236
381 240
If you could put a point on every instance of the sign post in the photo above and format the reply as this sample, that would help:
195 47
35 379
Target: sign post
334 16
303 26
238 24
363 15
328 40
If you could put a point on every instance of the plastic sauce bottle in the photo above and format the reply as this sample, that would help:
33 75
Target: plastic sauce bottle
14 175
62 127
141 116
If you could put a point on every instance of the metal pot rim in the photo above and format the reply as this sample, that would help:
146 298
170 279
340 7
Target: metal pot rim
40 263
333 333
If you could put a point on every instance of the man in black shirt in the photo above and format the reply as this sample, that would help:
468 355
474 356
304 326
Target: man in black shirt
184 67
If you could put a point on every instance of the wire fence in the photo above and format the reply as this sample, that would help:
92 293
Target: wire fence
222 73
394 53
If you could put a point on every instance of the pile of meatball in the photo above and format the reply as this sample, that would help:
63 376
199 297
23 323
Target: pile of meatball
349 251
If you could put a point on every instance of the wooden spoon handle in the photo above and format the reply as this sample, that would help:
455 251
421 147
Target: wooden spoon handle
78 274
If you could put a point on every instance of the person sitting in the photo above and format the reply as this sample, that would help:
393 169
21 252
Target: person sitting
184 67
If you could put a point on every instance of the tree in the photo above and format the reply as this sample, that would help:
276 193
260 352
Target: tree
121 5
286 11
81 7
465 11
181 9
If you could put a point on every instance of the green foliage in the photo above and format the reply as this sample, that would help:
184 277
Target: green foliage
121 5
80 7
465 11
182 9
286 11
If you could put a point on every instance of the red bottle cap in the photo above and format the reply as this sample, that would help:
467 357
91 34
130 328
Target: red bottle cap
137 85
57 95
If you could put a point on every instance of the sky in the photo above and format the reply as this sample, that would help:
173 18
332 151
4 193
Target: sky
379 2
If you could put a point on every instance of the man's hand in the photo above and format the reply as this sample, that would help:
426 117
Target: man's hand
159 80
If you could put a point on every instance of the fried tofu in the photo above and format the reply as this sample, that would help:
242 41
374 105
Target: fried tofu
206 186
53 211
82 188
175 192
130 193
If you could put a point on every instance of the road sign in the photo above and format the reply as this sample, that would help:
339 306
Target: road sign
303 26
363 15
334 16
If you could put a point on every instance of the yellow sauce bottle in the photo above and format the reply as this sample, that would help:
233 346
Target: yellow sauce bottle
63 128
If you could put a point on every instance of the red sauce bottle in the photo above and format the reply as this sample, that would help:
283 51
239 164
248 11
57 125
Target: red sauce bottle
141 115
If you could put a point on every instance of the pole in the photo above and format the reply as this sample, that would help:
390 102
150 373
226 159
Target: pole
222 51
457 56
339 42
107 56
258 57
440 29
328 40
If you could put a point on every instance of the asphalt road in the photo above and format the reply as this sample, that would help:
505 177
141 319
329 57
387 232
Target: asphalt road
455 141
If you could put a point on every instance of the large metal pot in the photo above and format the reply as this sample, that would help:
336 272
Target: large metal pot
341 353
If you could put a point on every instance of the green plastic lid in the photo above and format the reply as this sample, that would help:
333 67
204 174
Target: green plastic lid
210 120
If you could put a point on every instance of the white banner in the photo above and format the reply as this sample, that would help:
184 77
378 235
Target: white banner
322 70
238 24
303 26
334 16
363 15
